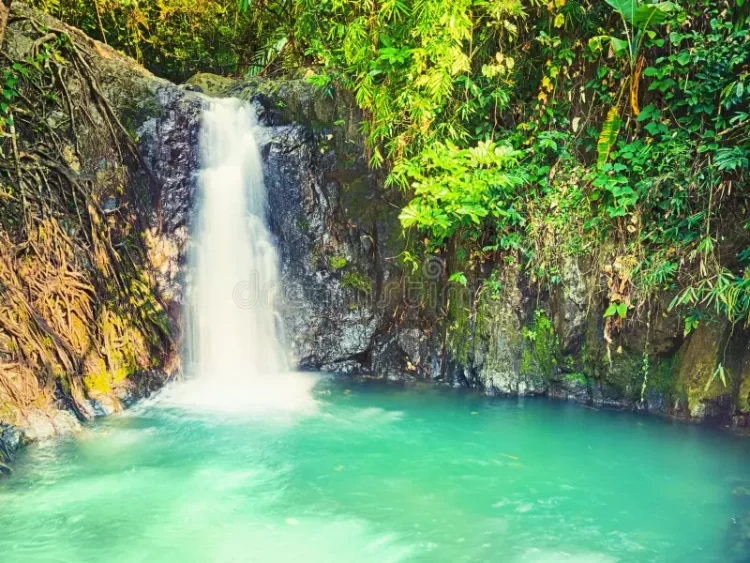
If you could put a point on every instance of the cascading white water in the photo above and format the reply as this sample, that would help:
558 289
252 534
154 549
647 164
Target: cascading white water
234 346
234 327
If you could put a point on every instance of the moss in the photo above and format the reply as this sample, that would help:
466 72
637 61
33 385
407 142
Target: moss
315 257
459 339
7 413
622 374
142 107
123 349
319 126
696 364
527 365
211 84
356 196
65 384
296 100
97 379
743 396
575 378
358 281
337 262
660 378
543 343
362 203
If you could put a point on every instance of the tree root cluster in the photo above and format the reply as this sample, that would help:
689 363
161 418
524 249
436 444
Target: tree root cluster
78 313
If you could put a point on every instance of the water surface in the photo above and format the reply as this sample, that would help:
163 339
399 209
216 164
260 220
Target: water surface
379 474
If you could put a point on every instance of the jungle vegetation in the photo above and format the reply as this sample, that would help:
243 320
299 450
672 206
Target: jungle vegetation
613 129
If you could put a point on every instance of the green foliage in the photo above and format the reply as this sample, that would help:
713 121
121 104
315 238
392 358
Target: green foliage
619 309
459 278
637 17
493 285
428 74
472 189
575 378
728 294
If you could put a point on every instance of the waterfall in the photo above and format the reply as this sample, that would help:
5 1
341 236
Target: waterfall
234 335
234 327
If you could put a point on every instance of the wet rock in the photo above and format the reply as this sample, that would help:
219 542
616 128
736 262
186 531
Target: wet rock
410 342
37 426
41 425
109 205
65 423
10 441
147 382
329 240
498 346
569 305
706 396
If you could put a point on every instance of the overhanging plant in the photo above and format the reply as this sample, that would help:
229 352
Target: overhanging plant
637 19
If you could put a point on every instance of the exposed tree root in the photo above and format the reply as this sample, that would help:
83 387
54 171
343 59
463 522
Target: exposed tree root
77 315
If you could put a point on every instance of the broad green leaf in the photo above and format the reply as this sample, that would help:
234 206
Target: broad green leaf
626 8
458 277
622 310
653 14
611 310
409 215
618 45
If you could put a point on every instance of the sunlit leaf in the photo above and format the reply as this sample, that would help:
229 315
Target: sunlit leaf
608 136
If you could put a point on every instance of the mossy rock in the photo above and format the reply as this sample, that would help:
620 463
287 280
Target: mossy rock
743 391
542 347
211 84
696 364
504 362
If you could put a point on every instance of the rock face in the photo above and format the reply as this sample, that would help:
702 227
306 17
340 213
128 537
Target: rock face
330 219
327 214
347 307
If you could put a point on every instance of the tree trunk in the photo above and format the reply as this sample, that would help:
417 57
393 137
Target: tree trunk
4 14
